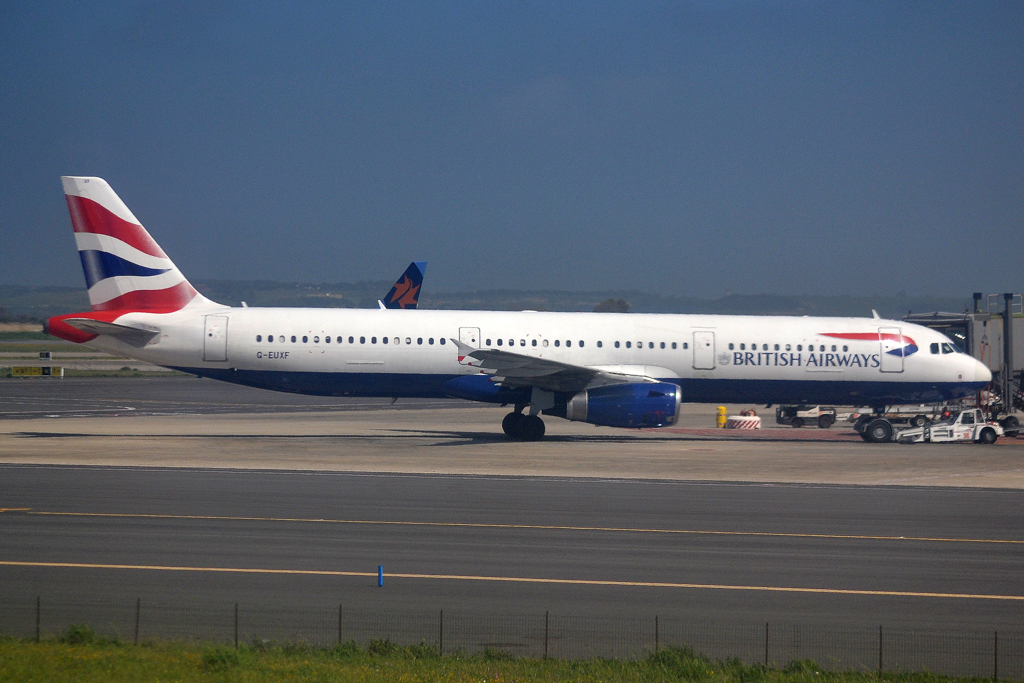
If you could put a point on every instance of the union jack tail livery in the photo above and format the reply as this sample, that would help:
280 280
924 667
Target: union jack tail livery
125 269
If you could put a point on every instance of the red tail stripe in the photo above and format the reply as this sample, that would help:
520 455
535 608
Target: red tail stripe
156 300
88 216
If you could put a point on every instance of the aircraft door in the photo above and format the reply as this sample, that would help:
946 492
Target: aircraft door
890 359
470 336
704 350
215 338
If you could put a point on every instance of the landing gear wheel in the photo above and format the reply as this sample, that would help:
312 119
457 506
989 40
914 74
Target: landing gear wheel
878 430
797 422
987 436
824 421
918 421
532 428
512 425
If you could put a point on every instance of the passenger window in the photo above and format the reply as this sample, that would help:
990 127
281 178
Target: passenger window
305 339
568 342
581 343
327 339
419 340
270 339
500 342
616 344
259 337
776 347
686 345
600 344
650 345
362 340
544 343
511 342
316 340
833 347
799 347
522 342
947 348
743 347
351 340
442 341
558 342
293 339
534 342
673 345
373 340
397 340
408 340
788 347
431 341
487 342
822 348
731 346
764 347
629 345
385 340
845 348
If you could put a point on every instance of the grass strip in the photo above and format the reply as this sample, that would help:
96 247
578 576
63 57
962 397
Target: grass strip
80 655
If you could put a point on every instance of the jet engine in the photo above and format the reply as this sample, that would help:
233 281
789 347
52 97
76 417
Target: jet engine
626 405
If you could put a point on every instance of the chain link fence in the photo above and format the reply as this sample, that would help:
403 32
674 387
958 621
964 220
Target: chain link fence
991 654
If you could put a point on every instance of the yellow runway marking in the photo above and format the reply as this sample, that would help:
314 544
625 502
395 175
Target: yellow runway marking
517 579
541 527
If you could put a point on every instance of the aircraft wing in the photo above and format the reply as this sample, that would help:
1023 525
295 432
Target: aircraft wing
520 370
133 336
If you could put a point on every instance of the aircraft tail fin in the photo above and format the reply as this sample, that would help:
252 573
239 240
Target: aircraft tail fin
406 292
125 269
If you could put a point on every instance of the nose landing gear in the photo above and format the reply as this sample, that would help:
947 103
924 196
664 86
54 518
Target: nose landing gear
519 427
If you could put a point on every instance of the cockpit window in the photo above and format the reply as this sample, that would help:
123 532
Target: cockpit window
934 347
948 348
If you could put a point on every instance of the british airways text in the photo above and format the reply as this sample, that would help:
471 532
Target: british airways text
821 360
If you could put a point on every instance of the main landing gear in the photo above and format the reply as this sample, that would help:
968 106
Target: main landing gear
519 427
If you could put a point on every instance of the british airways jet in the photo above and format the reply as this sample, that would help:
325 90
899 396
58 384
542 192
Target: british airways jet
611 369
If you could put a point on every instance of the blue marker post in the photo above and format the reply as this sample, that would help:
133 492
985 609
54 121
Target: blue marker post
380 575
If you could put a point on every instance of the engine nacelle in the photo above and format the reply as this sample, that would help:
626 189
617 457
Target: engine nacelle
626 405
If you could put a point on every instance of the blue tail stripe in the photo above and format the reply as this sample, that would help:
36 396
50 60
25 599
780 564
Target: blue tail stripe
99 265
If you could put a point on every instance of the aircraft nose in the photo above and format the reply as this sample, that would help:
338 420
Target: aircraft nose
981 373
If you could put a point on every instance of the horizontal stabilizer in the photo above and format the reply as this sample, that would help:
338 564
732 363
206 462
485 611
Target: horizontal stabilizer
133 336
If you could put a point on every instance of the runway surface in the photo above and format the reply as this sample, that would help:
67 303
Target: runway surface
803 554
123 397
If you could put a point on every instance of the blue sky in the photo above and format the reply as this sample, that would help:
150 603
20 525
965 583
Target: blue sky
691 147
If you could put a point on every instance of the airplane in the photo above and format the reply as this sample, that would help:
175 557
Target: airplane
611 369
406 292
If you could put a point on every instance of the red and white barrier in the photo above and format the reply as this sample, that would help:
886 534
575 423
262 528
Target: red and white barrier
743 422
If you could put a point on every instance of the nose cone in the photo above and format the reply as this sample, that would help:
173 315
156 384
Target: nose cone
981 373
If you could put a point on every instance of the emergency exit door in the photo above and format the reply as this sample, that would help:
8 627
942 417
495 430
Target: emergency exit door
703 350
215 338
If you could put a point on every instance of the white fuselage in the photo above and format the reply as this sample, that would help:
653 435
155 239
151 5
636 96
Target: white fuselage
713 358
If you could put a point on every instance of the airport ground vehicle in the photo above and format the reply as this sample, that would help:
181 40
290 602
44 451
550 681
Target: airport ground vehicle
967 425
798 416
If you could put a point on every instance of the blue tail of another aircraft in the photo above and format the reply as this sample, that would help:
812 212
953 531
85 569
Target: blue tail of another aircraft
406 292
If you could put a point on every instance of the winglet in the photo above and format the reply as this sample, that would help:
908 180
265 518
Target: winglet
406 292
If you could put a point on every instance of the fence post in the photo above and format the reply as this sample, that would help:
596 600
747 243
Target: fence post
545 634
879 650
339 623
766 643
995 658
655 634
440 641
236 625
138 613
38 615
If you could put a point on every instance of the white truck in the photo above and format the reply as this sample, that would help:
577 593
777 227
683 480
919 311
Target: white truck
967 425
